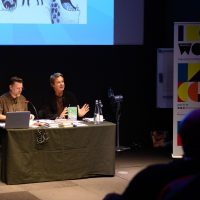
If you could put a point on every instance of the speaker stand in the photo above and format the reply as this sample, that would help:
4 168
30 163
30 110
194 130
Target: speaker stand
118 114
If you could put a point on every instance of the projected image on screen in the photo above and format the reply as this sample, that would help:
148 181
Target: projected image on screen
43 11
56 22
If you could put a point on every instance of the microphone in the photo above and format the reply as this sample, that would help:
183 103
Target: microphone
34 108
114 98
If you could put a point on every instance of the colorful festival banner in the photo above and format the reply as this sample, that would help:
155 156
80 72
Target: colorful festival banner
186 86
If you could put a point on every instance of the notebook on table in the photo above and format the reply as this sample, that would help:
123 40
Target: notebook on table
18 119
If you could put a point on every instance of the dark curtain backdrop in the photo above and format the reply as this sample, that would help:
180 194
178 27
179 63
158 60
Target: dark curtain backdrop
90 70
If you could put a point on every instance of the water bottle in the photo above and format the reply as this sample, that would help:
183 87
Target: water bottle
100 111
96 113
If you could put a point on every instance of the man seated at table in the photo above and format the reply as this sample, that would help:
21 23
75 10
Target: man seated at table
13 100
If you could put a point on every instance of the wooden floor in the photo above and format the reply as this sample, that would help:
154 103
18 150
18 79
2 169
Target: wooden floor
128 163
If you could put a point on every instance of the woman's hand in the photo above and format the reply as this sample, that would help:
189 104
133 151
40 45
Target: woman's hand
82 111
64 113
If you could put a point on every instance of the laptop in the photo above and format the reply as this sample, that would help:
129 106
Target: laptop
19 119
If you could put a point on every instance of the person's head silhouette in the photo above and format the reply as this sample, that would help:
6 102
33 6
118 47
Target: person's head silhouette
190 134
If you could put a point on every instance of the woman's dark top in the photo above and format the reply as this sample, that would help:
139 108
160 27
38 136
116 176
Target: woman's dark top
54 105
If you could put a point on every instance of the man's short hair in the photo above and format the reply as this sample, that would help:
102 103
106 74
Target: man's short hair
54 76
14 79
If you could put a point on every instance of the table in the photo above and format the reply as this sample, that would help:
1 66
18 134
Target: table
69 153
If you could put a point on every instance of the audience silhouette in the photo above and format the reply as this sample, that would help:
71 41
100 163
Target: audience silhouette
153 182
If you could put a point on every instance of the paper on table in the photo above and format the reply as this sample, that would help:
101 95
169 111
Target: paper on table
2 124
91 119
87 119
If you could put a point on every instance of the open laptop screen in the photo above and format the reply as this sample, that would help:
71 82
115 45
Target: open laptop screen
18 119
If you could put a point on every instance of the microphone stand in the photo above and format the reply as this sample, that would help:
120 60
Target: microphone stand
41 134
116 100
34 108
118 114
